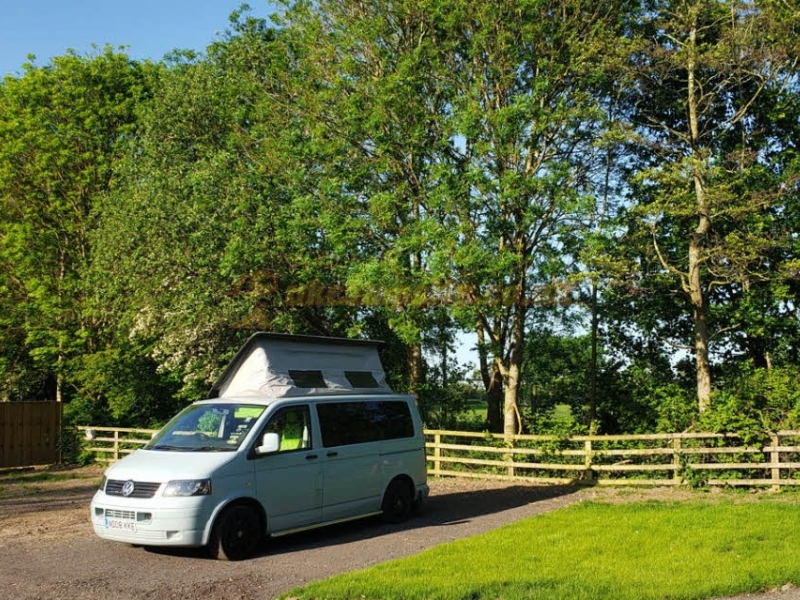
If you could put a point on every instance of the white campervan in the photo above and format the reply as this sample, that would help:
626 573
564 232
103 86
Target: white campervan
301 432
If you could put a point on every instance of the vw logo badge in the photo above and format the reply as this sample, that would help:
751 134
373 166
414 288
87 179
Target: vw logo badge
127 488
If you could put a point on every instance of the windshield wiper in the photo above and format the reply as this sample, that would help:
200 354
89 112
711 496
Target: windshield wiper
170 448
211 449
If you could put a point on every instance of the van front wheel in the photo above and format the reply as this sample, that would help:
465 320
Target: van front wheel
236 534
397 501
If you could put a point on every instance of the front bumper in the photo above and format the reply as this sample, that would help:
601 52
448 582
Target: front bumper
179 522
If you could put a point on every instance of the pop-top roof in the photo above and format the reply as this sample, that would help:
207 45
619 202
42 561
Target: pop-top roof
277 365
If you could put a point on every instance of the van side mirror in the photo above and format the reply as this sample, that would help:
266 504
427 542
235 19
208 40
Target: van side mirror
269 444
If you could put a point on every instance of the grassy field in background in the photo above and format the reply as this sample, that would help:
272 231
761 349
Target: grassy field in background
476 410
694 549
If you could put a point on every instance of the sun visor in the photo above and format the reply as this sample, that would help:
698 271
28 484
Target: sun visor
278 365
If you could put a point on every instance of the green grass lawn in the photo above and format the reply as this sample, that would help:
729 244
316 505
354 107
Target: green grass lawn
694 549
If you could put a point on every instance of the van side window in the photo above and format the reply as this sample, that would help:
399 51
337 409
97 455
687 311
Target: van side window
345 423
361 379
308 379
293 426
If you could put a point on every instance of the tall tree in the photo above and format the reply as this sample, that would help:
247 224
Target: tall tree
466 132
527 118
213 231
376 115
703 67
60 126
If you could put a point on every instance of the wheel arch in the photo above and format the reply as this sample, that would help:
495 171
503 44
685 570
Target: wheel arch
240 501
404 477
390 497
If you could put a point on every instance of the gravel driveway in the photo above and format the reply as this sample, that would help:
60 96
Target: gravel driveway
48 550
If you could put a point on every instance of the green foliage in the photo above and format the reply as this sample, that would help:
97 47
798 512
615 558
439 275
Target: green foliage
559 421
452 407
212 230
644 398
401 170
60 127
122 387
696 479
708 194
71 446
556 368
756 400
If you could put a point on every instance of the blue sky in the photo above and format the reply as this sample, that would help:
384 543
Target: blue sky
149 28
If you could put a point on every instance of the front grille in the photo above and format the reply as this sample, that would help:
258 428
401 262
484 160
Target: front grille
141 489
125 515
120 514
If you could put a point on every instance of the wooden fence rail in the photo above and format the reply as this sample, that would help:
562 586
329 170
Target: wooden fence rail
713 459
109 444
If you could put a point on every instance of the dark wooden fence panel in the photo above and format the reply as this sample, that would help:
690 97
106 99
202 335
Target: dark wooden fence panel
29 433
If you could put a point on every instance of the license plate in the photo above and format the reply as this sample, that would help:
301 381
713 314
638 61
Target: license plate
120 525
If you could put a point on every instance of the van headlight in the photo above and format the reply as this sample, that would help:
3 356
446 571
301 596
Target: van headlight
188 487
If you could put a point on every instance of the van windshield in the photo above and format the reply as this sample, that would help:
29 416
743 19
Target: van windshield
207 428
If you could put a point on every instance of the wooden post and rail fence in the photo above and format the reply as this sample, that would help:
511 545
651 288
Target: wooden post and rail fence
696 459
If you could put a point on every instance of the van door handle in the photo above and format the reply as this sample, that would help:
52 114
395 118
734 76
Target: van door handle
311 456
333 454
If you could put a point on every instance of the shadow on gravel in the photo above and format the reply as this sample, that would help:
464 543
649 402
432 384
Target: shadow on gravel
441 510
447 509
36 500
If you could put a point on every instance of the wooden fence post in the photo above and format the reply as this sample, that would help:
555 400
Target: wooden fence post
510 457
116 444
587 460
437 454
775 459
676 460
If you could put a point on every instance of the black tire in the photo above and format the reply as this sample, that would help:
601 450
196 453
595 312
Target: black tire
397 501
237 534
417 505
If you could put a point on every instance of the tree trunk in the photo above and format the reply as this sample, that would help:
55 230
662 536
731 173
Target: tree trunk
494 400
697 298
492 383
510 405
701 352
693 284
592 416
415 368
757 351
511 375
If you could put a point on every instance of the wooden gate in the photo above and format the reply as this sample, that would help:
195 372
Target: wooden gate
29 433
